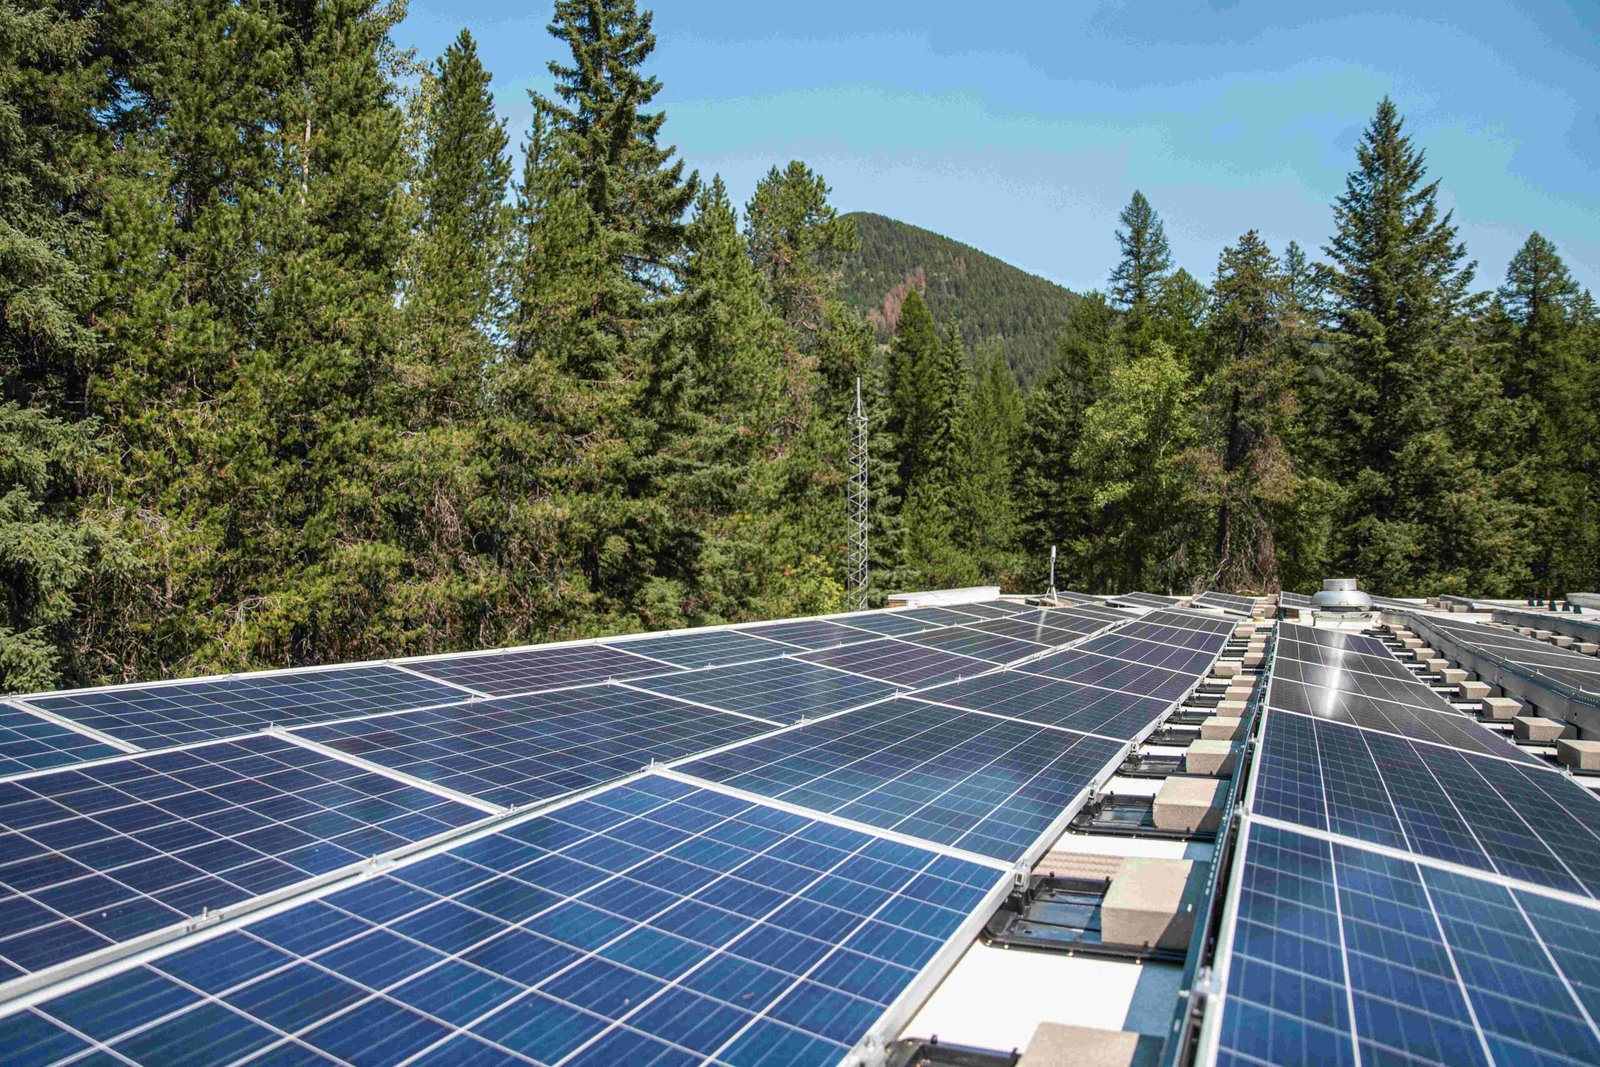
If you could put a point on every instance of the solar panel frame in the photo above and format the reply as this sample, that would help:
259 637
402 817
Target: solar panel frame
100 854
163 715
1149 600
892 623
535 669
780 691
518 750
1090 668
1038 632
649 920
975 782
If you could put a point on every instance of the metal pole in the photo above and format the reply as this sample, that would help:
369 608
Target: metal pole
858 508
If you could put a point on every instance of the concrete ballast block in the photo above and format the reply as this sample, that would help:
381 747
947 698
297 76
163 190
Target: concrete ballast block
1579 755
1230 709
1453 676
1436 665
1474 690
1561 641
1226 669
1210 757
1588 648
1221 728
1538 728
1241 693
1189 804
1502 709
1060 1045
1411 642
1254 659
1151 903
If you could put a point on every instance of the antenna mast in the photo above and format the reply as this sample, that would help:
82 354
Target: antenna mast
858 510
1052 594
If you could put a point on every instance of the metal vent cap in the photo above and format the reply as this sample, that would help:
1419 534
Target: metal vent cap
1341 594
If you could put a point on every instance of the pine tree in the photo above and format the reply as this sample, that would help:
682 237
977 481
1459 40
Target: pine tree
1146 260
1052 495
986 443
452 291
799 244
49 549
915 380
1396 288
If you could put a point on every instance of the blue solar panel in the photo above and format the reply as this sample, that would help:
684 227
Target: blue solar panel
1079 665
160 715
536 669
30 742
1523 822
519 749
1174 658
951 616
969 642
1174 635
781 690
652 923
704 648
892 623
106 852
900 662
988 785
1336 949
1441 726
990 609
1029 631
811 633
1033 698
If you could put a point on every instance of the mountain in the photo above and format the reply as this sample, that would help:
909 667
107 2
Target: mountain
990 299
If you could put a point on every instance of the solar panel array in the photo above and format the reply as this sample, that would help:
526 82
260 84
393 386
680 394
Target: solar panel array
1147 600
1242 605
1294 600
825 835
1405 890
1529 656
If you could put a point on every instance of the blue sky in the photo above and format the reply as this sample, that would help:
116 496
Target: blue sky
1023 129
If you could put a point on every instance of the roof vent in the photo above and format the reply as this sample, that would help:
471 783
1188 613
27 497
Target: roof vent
1341 595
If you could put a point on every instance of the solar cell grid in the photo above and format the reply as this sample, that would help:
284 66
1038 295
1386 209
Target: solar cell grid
703 648
1562 665
1080 665
1060 620
951 616
892 623
1294 600
1384 716
1173 635
1037 632
1153 600
1521 822
161 715
1183 660
781 690
993 609
1242 605
1191 620
535 669
653 923
899 662
31 742
1337 949
107 852
1072 705
988 785
812 633
515 750
977 644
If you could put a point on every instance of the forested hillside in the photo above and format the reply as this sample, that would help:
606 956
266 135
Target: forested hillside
987 298
305 358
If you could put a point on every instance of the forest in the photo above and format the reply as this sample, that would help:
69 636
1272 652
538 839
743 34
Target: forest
302 362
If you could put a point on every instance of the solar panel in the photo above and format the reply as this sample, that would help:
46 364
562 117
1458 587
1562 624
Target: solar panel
652 923
1386 716
1079 665
977 644
1294 600
30 742
780 690
106 852
891 623
1071 705
1242 605
1150 600
988 785
519 749
813 633
991 609
904 664
1561 665
951 616
535 669
156 716
1173 635
1172 657
703 648
1037 632
1191 620
1338 952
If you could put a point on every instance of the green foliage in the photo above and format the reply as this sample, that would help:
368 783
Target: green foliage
989 300
1136 282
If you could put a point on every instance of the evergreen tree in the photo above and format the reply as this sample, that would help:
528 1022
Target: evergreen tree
49 549
987 437
915 380
799 243
1396 287
1052 493
1146 260
461 191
